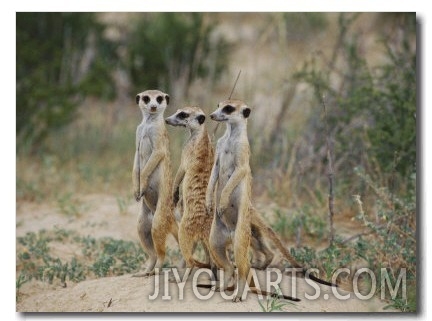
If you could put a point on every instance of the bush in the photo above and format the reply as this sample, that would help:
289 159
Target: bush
371 111
175 50
61 58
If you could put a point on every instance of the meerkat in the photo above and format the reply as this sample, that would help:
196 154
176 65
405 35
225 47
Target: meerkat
229 193
152 181
193 174
230 184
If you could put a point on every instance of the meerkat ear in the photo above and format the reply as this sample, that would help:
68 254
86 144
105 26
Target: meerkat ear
137 98
167 99
246 112
201 119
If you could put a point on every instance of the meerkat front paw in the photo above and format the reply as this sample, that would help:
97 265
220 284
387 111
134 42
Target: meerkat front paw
137 196
143 187
176 197
209 207
222 207
220 211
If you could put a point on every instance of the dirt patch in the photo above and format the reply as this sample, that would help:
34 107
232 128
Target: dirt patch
102 217
129 294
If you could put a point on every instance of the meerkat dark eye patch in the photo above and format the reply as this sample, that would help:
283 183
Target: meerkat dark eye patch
228 109
146 99
167 99
201 119
182 115
159 99
246 112
137 98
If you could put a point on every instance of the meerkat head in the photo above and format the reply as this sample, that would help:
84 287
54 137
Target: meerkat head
189 117
152 101
231 111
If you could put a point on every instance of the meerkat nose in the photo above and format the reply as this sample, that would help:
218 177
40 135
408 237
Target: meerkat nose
212 116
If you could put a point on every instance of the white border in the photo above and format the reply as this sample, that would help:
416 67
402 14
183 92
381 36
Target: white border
7 134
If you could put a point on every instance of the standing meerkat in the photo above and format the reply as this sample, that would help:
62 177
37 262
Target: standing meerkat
152 181
230 184
229 192
193 175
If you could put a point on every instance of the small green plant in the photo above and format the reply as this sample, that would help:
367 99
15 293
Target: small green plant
56 269
273 303
19 282
28 190
116 257
35 243
405 305
282 224
122 203
70 206
100 257
288 225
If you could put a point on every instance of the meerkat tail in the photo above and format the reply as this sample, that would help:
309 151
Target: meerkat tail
286 254
255 291
201 265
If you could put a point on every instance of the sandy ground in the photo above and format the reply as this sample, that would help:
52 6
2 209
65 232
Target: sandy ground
129 294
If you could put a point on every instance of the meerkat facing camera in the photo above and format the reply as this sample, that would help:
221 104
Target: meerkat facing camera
152 181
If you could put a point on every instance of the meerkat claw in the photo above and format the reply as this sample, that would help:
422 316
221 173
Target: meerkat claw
176 198
137 197
219 212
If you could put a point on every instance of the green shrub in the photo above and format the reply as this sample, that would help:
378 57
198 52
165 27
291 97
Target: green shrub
177 46
100 257
52 79
371 111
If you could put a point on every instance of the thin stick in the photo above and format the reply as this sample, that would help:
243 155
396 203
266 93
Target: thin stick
232 91
235 83
330 175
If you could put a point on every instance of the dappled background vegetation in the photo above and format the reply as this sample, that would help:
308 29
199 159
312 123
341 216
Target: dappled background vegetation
339 87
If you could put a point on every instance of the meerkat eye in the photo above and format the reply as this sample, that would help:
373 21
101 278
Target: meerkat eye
201 119
146 99
228 109
182 115
159 99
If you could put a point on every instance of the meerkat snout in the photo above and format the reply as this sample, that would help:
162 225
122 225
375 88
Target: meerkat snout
190 117
217 116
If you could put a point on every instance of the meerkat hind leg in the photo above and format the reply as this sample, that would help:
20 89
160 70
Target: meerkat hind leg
144 224
219 241
241 246
259 245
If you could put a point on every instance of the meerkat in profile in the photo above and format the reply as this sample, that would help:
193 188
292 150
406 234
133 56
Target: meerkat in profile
192 176
152 181
230 184
229 193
